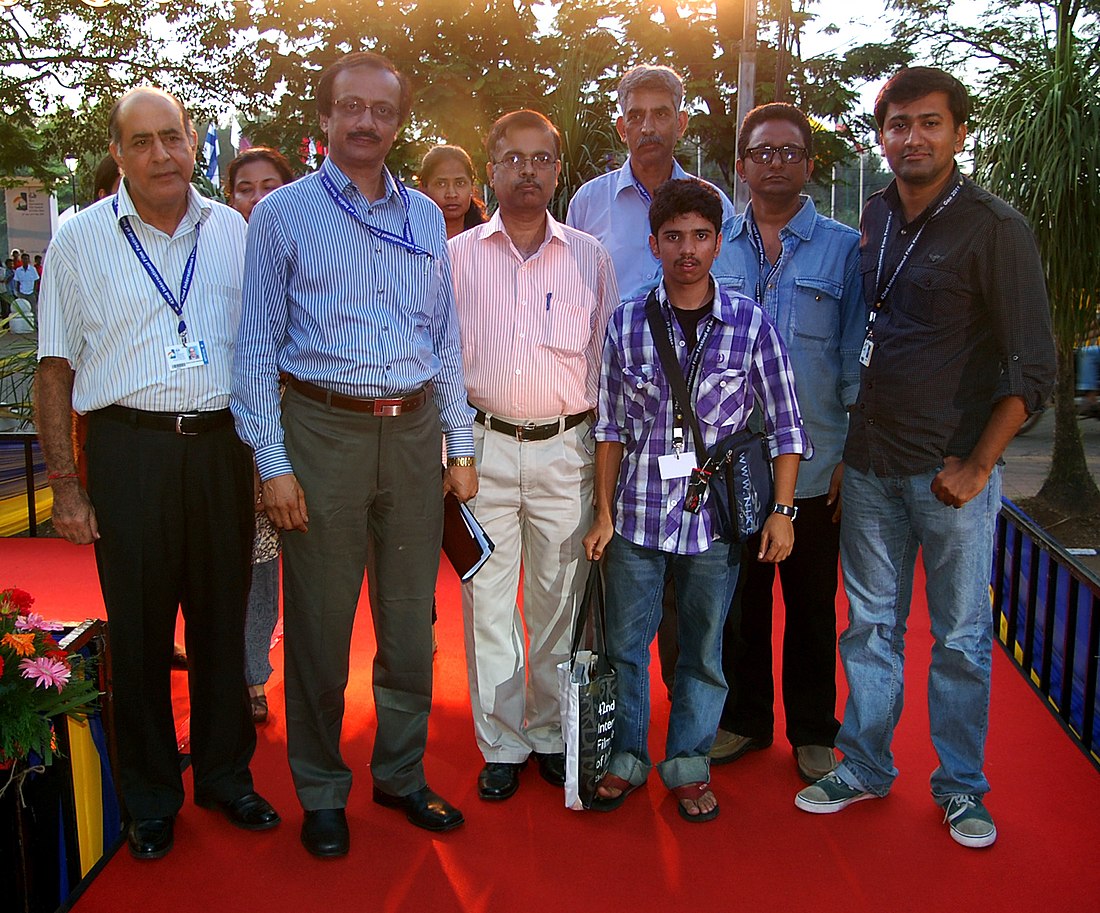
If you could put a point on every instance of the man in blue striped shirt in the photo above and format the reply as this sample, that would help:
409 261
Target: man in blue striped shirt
348 291
644 459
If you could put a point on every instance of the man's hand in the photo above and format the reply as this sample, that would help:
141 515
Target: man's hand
285 502
598 535
776 539
959 481
462 480
834 490
73 514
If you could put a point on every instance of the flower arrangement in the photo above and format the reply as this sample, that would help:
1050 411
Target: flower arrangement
38 681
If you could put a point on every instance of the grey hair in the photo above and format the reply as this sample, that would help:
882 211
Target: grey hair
660 78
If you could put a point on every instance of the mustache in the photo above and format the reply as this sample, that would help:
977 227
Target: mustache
527 182
649 141
687 261
365 134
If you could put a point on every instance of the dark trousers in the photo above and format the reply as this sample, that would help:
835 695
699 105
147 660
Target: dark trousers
374 495
809 581
175 522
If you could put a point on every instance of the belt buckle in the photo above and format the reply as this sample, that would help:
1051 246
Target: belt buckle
387 409
521 430
179 423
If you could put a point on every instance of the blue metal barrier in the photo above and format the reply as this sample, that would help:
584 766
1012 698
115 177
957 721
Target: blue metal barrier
1046 612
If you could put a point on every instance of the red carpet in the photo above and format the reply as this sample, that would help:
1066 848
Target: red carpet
530 854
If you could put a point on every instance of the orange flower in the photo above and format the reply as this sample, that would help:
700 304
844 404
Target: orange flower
22 644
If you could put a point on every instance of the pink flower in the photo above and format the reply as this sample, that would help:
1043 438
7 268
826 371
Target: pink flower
35 622
45 672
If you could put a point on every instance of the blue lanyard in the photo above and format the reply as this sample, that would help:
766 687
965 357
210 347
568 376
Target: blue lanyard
154 273
645 195
697 352
404 240
765 270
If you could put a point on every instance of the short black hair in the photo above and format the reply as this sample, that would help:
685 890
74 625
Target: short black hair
106 177
911 83
362 59
520 120
679 197
777 110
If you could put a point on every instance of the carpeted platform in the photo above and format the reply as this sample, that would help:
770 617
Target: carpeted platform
530 854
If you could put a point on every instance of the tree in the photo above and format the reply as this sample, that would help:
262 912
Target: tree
1038 147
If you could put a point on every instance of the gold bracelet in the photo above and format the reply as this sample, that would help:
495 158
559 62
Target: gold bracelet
461 461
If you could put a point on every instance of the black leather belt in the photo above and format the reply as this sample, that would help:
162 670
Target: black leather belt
179 422
395 406
530 431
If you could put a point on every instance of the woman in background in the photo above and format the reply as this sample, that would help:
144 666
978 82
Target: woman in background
447 176
253 175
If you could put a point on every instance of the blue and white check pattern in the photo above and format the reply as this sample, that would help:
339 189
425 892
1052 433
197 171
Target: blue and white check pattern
744 362
327 302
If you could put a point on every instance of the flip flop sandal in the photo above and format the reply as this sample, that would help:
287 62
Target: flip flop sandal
694 792
609 803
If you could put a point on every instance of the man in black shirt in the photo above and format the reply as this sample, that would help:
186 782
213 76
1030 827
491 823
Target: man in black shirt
958 352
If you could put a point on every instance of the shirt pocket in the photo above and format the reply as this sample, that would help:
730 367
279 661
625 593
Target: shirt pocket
816 306
938 297
641 393
568 326
721 398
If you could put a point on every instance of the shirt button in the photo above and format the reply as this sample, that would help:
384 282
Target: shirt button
870 421
721 383
682 343
380 290
517 370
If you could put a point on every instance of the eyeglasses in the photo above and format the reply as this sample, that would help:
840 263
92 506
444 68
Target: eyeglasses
540 161
383 112
788 155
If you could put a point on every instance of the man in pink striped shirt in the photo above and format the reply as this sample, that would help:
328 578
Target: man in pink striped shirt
533 299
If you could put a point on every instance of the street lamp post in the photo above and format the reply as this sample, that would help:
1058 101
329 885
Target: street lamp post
71 164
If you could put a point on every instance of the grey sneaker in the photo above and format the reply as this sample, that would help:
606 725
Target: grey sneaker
970 823
829 794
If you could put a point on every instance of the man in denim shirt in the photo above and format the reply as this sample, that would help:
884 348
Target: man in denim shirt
803 269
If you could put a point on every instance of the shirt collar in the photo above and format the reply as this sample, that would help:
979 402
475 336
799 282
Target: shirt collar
495 225
716 302
343 182
625 178
801 224
198 207
893 199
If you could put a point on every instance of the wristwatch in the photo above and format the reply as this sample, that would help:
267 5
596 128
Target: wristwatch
786 510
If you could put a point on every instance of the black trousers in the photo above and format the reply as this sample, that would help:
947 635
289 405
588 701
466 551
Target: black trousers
175 522
809 580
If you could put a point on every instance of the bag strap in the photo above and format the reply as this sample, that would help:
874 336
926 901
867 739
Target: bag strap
674 373
592 600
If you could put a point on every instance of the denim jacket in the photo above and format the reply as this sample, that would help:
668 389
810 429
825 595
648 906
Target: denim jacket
816 302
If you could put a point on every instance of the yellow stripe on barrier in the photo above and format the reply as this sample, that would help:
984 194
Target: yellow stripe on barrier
87 794
13 511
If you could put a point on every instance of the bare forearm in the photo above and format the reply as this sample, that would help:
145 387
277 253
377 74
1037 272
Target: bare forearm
609 458
785 474
1007 417
53 399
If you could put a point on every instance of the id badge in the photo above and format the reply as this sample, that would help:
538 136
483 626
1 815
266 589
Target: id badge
181 357
865 353
676 465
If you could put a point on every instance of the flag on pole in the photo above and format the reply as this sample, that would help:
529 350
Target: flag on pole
210 147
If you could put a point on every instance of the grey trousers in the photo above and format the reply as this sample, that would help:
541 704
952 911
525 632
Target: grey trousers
373 491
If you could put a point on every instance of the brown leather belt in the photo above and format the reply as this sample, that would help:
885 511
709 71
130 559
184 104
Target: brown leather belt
179 422
530 431
384 407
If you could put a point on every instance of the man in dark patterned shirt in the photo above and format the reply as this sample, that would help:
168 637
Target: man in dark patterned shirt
958 352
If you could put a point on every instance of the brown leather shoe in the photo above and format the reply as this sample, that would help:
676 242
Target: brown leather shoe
729 746
814 762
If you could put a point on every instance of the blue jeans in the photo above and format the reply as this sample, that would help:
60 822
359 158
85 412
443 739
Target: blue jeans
884 522
704 584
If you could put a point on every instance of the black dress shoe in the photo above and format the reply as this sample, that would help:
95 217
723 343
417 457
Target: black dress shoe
552 767
251 811
325 832
423 808
498 780
150 838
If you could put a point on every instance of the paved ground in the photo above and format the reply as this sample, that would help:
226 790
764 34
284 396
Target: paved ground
1027 462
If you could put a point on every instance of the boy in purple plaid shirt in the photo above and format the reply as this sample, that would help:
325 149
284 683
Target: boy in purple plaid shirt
733 360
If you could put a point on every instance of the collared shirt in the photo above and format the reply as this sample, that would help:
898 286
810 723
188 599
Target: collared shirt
815 300
965 324
610 208
99 310
532 330
743 363
328 302
24 279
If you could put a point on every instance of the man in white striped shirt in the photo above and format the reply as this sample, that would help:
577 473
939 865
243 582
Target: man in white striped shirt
146 356
533 298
